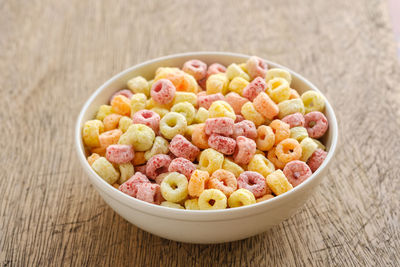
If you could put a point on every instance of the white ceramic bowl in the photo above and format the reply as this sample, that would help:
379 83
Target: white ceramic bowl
200 226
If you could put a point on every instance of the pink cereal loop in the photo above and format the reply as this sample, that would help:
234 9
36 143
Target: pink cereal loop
148 118
215 68
150 193
257 67
223 144
183 148
296 172
254 182
156 165
183 166
163 91
120 153
205 101
245 150
316 159
316 124
245 128
236 101
130 186
125 92
196 68
220 125
294 120
252 90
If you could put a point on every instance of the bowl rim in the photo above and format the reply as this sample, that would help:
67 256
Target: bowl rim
193 215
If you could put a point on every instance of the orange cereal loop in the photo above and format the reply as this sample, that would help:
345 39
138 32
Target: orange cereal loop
199 137
109 138
288 150
197 183
223 180
293 94
265 106
121 105
274 159
265 138
92 158
139 158
116 185
101 151
111 121
281 130
265 197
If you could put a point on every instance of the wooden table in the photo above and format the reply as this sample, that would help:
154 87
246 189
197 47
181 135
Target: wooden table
54 54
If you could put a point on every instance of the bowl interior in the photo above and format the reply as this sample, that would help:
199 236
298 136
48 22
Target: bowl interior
147 70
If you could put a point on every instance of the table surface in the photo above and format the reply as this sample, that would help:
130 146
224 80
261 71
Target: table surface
54 54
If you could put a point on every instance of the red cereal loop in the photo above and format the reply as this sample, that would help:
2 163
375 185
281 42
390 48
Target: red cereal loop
181 147
125 92
245 128
294 120
252 90
316 124
221 125
316 159
223 144
245 150
254 182
163 91
148 118
296 172
205 101
150 193
257 67
130 186
236 101
215 68
156 165
224 181
183 166
196 68
239 118
120 153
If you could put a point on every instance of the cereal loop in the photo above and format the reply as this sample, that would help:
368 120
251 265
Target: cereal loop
147 117
119 153
281 130
212 199
182 165
245 150
297 172
245 128
121 105
215 68
316 159
265 138
173 124
174 187
252 90
163 91
130 187
316 124
197 183
241 197
221 125
265 106
278 183
156 165
199 136
211 160
181 147
294 120
224 181
256 67
288 150
223 144
196 68
254 182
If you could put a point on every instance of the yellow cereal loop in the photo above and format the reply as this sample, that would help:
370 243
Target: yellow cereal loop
124 123
298 133
201 115
319 144
241 197
186 109
105 170
278 73
126 170
234 70
139 136
308 146
250 113
288 107
237 85
243 66
278 89
259 163
174 187
210 160
171 205
152 104
139 85
313 101
160 111
104 111
92 158
160 146
278 182
185 97
138 102
212 199
192 204
91 131
172 124
232 167
221 108
217 83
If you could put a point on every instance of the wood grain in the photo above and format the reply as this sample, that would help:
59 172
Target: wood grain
54 54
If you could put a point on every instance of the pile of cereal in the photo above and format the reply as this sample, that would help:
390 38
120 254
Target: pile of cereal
208 137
